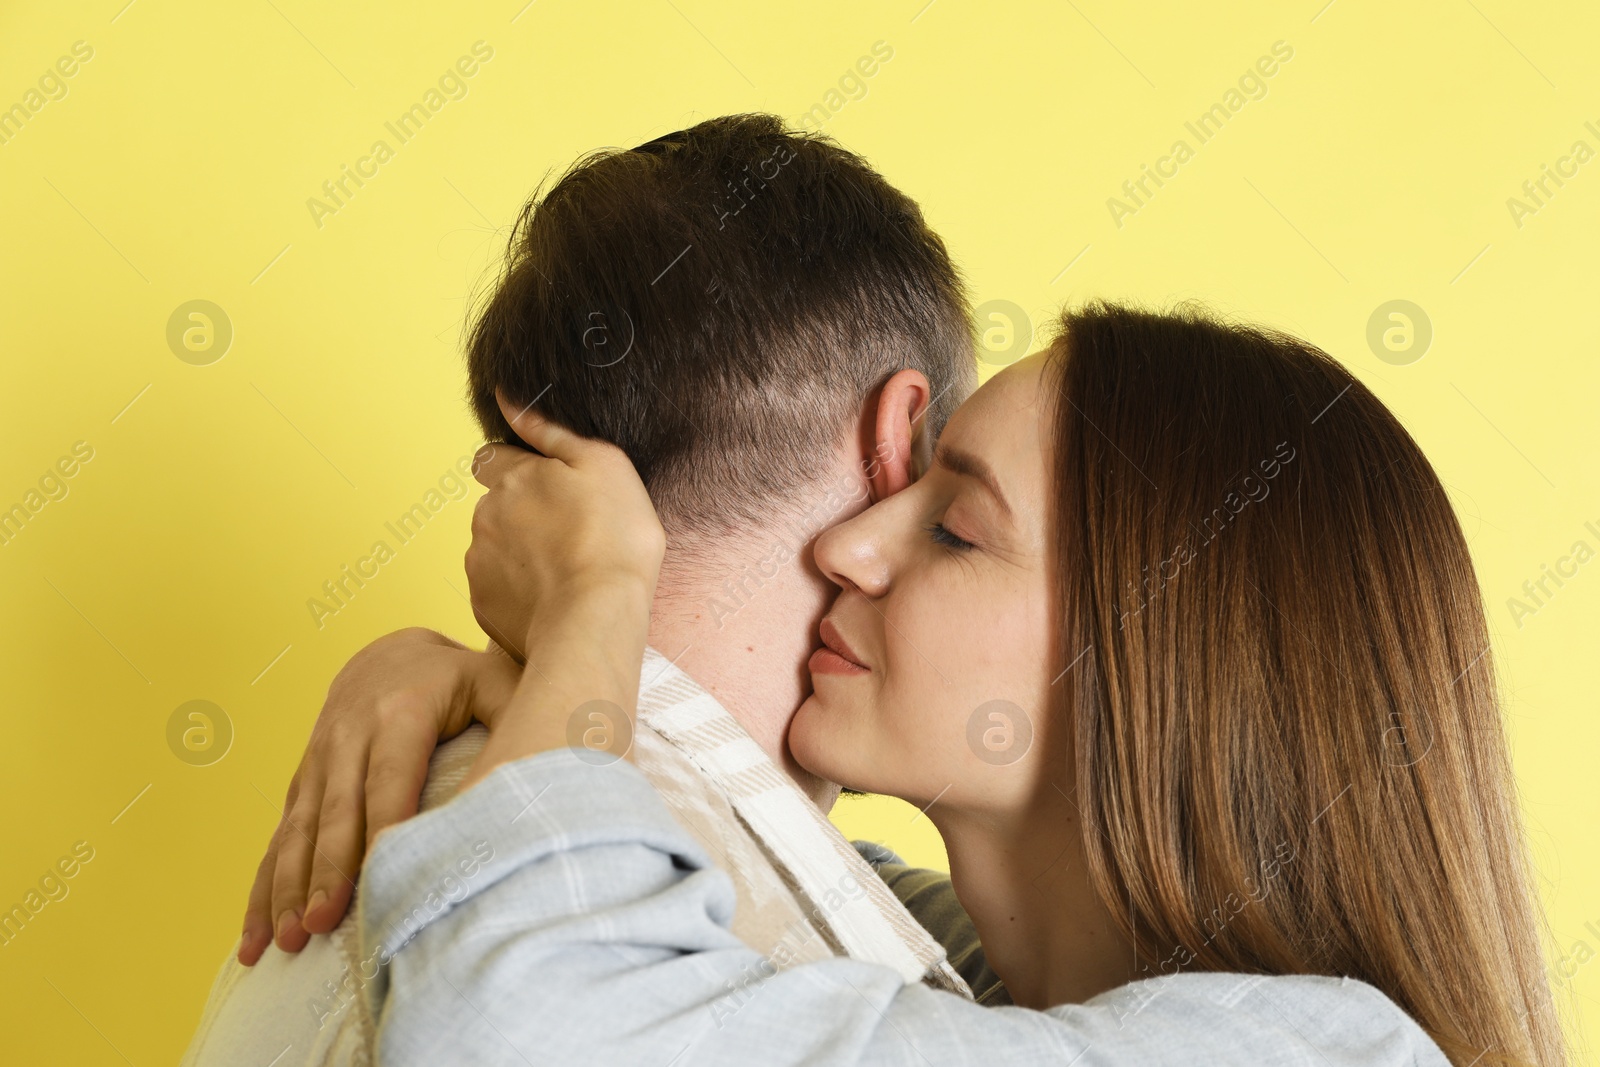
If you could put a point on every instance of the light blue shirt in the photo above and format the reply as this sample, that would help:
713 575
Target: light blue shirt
556 913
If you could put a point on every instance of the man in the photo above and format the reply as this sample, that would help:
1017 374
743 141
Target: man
773 335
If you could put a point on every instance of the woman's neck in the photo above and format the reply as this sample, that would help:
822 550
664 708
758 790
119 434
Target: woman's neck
1025 883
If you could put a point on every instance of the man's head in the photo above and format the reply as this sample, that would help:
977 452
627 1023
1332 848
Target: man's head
721 303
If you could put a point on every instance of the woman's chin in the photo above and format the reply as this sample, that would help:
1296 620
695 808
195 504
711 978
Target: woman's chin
820 746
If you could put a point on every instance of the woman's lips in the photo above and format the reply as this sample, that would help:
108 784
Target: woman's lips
836 656
827 661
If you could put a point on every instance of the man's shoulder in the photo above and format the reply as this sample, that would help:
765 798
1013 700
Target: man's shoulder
449 764
307 1005
295 1006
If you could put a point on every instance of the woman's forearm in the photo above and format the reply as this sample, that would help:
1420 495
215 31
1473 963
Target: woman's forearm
580 923
581 682
589 927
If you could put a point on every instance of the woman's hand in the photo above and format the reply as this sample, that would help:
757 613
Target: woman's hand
570 530
554 522
363 770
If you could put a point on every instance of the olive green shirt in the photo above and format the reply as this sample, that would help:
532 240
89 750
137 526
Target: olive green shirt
931 899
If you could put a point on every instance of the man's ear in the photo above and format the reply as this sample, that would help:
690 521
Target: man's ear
894 435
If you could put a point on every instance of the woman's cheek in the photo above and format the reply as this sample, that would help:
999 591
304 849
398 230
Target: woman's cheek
927 698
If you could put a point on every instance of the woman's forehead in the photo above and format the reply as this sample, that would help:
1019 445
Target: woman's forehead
1012 394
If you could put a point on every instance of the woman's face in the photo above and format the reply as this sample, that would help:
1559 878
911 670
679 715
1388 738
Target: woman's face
945 619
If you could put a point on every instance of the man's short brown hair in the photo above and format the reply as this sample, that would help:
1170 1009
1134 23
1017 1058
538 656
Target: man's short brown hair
718 302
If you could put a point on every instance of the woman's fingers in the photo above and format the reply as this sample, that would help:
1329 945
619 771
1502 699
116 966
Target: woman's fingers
396 770
340 844
489 463
539 433
296 845
258 912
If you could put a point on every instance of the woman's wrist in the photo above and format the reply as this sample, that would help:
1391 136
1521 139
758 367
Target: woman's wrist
488 682
624 596
583 648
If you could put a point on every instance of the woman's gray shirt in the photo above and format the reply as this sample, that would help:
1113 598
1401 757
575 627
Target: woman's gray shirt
557 913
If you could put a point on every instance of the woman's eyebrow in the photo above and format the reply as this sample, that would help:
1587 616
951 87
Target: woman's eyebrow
959 462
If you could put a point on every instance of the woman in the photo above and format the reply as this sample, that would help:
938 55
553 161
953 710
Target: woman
1180 604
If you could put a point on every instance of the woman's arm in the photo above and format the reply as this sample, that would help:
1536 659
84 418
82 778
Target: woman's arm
597 932
556 913
570 530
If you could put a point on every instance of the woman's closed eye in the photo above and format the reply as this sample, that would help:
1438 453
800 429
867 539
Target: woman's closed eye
941 535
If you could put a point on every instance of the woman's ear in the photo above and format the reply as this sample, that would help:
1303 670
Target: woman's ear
896 439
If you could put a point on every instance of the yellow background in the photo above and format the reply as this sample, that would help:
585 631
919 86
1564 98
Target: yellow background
178 166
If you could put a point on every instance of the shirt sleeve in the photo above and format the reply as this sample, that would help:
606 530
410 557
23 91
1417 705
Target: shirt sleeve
556 913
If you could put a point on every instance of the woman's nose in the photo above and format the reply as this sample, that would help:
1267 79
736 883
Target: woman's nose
852 554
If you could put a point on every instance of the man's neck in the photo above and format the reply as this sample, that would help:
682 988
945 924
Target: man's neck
741 626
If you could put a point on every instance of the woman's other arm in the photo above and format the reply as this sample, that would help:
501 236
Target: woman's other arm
556 913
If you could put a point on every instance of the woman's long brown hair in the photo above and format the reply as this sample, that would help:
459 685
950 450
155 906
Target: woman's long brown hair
1289 752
